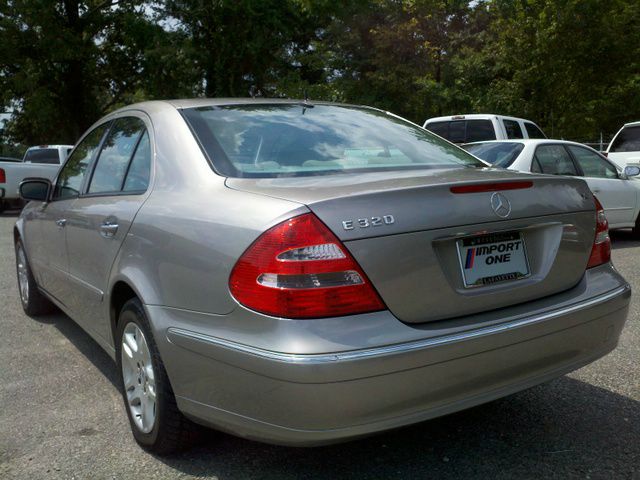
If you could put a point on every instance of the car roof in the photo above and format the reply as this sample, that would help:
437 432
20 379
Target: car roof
42 147
181 103
632 124
530 141
474 116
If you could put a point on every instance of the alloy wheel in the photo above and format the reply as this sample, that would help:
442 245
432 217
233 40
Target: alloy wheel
138 377
23 275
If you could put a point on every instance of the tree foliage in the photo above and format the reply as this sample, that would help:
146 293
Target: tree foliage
573 66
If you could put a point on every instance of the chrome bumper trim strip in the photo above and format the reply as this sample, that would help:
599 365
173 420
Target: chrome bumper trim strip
392 349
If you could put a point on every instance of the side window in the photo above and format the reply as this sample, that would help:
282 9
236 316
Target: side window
480 130
72 174
628 140
592 164
535 166
116 153
138 175
555 160
513 128
533 131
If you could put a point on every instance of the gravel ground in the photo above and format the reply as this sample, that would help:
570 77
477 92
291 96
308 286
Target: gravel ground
61 416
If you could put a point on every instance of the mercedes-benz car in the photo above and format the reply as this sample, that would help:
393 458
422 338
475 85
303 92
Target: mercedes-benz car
303 273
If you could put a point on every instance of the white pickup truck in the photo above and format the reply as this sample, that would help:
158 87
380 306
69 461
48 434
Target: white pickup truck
482 127
624 149
42 161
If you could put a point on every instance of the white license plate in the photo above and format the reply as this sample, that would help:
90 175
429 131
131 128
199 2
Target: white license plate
492 258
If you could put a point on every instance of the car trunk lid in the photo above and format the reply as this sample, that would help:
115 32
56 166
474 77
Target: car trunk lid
412 231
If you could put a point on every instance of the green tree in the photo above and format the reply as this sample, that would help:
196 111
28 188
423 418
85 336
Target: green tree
65 63
571 65
243 47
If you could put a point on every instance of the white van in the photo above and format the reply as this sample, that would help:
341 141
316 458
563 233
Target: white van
482 127
624 149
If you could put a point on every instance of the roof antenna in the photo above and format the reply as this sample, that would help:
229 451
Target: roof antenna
306 103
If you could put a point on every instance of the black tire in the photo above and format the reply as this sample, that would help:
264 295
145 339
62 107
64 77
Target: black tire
171 431
3 206
635 232
35 302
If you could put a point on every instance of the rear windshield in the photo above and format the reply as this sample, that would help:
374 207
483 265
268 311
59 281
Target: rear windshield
462 131
42 155
501 154
628 140
265 141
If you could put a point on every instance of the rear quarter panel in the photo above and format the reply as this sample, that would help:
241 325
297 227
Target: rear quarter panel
186 238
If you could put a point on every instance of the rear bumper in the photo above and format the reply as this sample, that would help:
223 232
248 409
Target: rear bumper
310 399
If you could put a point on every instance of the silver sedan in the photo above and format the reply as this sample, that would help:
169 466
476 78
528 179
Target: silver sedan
305 273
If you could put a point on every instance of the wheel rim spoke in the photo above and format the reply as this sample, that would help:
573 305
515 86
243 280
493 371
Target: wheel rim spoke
138 377
23 277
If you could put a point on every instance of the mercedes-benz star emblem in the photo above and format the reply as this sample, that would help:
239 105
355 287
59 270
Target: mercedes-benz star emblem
501 205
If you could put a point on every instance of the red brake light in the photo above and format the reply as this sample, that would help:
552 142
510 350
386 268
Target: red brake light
601 250
299 269
491 187
3 177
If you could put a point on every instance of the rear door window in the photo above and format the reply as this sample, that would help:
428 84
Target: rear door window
116 154
512 127
592 164
42 155
628 140
138 175
533 131
71 176
554 160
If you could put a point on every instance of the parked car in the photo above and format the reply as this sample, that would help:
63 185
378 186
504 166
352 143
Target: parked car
305 273
481 127
624 149
41 161
616 189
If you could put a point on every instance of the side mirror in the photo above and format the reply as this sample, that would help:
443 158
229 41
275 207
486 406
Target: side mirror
35 189
632 171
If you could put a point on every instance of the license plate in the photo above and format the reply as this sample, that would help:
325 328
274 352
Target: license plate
492 258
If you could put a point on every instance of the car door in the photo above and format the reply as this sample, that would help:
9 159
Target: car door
50 218
553 159
98 221
618 196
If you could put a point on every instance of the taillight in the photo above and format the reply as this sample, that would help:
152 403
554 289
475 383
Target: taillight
299 269
601 250
491 187
3 177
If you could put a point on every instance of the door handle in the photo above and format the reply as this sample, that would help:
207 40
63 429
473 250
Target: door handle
61 222
108 229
